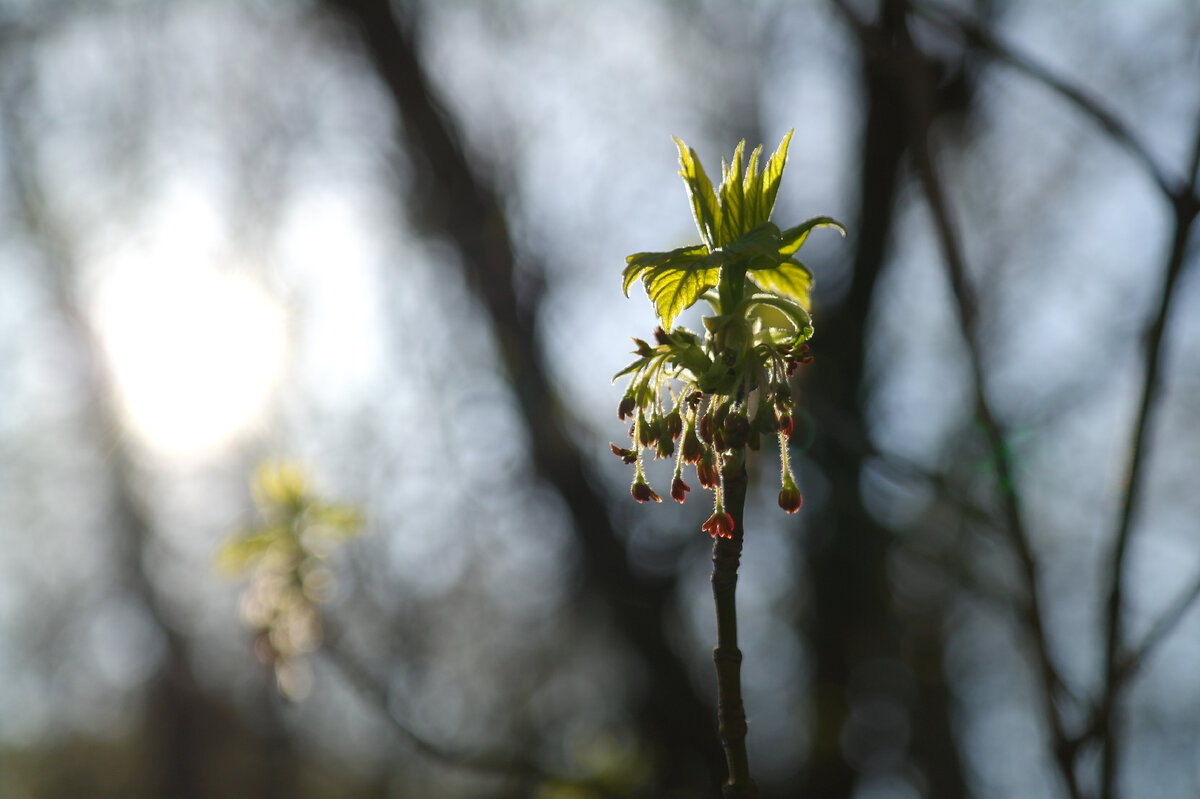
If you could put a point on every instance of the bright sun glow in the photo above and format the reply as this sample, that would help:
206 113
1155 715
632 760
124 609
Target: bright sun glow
195 352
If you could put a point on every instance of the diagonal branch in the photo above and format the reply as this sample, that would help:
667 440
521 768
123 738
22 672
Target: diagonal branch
457 205
918 88
984 41
1186 207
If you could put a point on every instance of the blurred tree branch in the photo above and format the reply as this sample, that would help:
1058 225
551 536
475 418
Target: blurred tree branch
916 81
177 714
456 204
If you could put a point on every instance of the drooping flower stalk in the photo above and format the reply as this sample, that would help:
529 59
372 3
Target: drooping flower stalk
746 270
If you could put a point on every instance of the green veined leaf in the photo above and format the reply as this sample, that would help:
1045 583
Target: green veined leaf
673 289
790 279
640 263
760 242
752 192
794 237
773 173
705 209
798 316
733 205
771 317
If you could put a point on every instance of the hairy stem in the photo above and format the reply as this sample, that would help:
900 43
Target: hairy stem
731 714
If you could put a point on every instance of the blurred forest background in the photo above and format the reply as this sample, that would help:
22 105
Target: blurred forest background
386 242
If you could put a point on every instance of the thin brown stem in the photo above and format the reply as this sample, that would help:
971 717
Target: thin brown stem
731 713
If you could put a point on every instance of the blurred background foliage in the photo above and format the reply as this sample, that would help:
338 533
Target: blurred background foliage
386 242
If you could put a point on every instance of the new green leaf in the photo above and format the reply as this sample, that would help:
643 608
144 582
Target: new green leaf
705 209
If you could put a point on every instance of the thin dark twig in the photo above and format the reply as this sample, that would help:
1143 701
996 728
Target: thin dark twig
987 43
912 70
1186 207
1135 657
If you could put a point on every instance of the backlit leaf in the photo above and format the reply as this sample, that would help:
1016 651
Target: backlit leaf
756 214
638 264
674 289
705 209
773 173
790 278
733 211
793 238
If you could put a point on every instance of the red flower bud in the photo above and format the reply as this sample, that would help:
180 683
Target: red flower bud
693 450
642 492
661 336
627 455
625 409
706 428
673 424
719 524
706 470
679 489
789 497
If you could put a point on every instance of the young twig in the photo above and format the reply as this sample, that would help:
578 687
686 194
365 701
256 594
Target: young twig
731 714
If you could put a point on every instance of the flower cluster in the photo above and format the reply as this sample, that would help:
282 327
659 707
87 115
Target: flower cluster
284 558
670 415
703 399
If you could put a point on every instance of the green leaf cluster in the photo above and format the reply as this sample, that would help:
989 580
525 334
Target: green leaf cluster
738 239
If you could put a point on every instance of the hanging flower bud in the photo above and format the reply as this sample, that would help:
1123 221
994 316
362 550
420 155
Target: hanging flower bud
666 447
645 428
719 525
693 450
706 428
642 491
673 424
789 496
706 470
625 409
679 489
627 455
